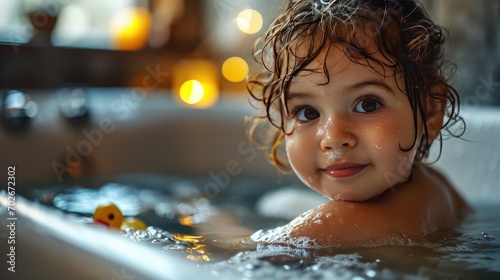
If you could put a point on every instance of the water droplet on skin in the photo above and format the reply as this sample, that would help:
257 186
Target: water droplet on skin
378 147
317 218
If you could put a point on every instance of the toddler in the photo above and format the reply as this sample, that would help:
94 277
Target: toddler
353 94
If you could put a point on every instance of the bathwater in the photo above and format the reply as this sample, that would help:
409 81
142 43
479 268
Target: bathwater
205 227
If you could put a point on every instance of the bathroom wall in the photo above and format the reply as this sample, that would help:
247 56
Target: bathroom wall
131 133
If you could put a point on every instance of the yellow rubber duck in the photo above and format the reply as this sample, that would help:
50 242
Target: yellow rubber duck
111 216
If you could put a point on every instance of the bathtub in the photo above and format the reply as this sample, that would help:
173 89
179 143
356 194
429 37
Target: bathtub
129 139
125 138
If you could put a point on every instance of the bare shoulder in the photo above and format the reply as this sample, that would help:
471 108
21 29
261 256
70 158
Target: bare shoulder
445 205
413 209
441 181
343 223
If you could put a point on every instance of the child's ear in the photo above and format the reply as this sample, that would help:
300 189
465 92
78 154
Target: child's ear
436 107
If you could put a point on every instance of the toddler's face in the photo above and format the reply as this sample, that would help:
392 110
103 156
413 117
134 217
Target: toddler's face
348 134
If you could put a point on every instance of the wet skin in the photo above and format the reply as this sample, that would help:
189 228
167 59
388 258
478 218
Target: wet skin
413 210
352 142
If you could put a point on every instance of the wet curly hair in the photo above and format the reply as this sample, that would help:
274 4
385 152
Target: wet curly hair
411 44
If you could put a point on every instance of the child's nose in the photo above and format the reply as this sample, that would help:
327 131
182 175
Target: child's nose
336 134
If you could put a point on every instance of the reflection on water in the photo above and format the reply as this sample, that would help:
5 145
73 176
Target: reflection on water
472 251
190 245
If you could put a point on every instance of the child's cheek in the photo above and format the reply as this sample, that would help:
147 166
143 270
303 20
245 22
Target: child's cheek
293 151
396 164
379 138
290 125
300 157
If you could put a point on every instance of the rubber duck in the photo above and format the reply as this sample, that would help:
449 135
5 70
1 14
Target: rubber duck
111 216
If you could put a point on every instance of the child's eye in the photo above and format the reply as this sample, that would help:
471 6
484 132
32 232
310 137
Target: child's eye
368 105
306 114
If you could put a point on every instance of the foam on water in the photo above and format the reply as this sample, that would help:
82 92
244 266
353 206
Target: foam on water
190 245
473 253
276 263
280 238
472 250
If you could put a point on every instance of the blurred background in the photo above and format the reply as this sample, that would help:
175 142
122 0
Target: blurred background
99 44
98 88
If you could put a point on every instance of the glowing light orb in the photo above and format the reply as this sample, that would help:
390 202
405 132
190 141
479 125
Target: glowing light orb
249 21
235 69
195 82
130 29
191 92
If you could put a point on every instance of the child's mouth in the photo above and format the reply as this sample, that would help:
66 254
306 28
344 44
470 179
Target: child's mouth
343 170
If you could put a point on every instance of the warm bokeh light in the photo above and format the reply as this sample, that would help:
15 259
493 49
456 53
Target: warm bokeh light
235 69
191 91
249 21
130 28
195 82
